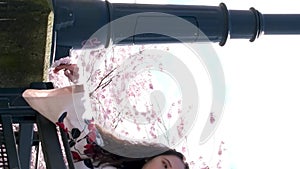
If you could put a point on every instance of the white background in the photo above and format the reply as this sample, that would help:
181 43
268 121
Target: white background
261 121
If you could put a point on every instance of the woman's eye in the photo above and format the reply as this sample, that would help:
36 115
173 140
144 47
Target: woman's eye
165 165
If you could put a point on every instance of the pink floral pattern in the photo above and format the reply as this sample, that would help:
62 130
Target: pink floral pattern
117 91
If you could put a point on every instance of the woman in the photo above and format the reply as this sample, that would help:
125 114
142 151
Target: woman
90 142
170 159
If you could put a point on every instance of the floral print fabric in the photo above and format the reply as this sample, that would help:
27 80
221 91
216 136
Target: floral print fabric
117 82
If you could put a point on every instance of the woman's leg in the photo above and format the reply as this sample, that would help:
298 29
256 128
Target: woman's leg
53 102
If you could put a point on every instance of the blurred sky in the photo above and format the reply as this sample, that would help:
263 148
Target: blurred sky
261 116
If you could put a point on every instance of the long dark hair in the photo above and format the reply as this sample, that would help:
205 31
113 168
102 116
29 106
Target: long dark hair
104 158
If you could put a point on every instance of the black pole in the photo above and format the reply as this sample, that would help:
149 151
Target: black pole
211 20
76 20
276 24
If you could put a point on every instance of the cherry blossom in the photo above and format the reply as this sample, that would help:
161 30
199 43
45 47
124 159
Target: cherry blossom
120 81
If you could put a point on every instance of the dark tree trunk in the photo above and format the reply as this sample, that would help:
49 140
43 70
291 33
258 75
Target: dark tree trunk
23 26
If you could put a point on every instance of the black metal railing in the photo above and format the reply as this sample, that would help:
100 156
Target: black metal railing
19 136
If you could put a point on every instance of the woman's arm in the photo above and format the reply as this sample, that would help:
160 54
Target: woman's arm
70 71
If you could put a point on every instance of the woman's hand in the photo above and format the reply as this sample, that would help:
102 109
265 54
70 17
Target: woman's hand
70 70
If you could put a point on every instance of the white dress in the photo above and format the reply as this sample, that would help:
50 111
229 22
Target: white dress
64 106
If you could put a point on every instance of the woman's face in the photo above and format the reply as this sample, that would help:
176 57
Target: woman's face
164 162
